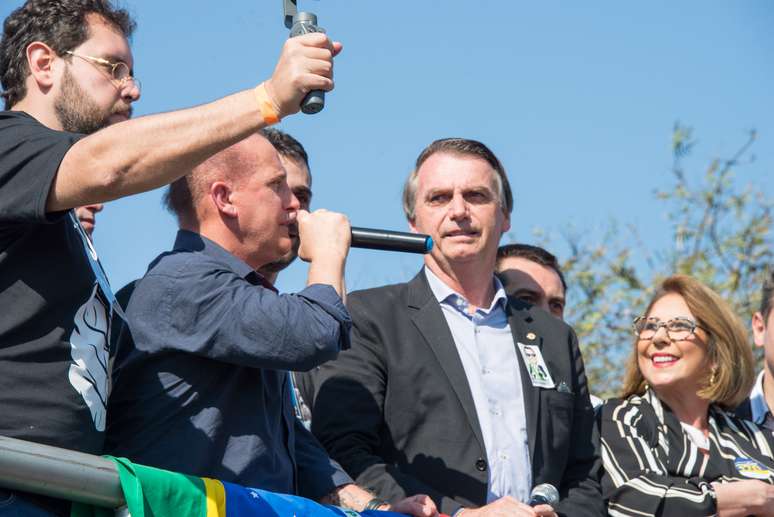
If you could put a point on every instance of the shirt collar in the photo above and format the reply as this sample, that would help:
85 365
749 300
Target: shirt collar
191 241
758 405
445 294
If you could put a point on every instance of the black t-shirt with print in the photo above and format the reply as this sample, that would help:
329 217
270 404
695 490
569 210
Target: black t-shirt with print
55 307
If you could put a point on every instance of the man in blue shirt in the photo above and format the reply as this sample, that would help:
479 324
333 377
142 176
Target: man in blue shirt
204 390
68 86
295 160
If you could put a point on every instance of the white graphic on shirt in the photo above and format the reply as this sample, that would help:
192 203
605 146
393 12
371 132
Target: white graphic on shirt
89 350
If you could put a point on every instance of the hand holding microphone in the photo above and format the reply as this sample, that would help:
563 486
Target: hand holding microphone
325 238
323 235
370 238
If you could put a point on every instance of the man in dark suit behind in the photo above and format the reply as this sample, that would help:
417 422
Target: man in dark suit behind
435 395
758 406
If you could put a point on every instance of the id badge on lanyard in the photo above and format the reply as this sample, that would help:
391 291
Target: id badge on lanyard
96 267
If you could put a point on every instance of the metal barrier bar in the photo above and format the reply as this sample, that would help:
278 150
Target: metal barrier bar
60 473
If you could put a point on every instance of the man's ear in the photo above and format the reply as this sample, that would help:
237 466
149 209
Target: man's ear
220 193
759 329
506 222
40 60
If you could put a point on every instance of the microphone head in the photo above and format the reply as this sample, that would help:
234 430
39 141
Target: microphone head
544 493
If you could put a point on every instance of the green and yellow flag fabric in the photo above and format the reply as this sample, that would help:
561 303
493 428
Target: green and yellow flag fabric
152 492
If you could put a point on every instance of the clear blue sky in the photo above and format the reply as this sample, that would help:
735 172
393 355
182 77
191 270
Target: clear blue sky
577 99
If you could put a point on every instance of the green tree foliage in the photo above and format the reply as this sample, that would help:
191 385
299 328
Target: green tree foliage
720 234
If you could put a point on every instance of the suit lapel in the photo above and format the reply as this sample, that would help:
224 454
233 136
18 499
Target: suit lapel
427 316
519 320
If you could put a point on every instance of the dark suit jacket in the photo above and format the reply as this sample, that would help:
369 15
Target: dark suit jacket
744 410
397 413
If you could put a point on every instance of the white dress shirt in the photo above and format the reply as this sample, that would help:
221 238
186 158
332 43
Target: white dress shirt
761 414
488 354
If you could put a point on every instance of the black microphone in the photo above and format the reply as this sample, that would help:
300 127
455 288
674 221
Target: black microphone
544 493
391 241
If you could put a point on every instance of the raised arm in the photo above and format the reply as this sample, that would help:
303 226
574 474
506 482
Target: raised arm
148 152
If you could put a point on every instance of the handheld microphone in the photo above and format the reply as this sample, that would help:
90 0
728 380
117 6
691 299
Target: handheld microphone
304 23
388 240
544 493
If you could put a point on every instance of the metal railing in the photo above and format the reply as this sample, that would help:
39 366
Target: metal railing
60 473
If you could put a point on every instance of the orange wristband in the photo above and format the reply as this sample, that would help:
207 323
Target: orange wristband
268 110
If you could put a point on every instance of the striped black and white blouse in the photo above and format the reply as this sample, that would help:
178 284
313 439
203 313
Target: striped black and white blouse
653 467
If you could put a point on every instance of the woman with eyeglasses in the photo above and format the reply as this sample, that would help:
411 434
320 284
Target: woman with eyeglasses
671 445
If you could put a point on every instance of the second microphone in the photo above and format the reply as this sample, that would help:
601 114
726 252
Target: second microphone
388 240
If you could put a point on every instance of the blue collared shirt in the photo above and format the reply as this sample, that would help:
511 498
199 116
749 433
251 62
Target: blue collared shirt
488 354
204 388
761 414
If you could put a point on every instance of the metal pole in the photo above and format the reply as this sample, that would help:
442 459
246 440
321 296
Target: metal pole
59 473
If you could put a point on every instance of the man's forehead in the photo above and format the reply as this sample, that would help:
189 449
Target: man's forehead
257 151
105 40
523 273
298 173
449 170
253 158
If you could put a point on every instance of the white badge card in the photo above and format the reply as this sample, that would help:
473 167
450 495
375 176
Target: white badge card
536 366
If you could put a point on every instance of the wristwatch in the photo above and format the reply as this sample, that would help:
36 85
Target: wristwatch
375 503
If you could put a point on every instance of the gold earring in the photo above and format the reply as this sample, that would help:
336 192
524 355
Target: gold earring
712 377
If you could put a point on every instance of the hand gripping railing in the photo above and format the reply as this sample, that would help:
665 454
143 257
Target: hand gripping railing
60 473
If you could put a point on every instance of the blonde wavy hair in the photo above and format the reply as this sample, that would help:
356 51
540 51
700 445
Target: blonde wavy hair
727 344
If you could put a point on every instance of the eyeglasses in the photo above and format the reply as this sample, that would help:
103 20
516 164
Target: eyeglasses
677 328
119 71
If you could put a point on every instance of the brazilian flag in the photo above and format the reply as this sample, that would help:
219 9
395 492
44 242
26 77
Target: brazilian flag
152 492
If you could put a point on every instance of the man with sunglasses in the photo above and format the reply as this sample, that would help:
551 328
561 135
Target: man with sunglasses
66 141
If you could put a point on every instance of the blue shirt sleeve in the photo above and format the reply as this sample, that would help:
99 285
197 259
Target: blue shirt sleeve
194 304
318 474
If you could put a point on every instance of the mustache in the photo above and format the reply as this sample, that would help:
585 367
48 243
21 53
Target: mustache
126 110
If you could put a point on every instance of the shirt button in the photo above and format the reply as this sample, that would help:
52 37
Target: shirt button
481 464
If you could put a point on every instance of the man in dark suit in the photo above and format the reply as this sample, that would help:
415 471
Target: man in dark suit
757 407
435 395
532 274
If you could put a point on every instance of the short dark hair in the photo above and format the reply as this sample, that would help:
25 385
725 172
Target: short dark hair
60 24
178 200
767 293
286 145
465 147
533 254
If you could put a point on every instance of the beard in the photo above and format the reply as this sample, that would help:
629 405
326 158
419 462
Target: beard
75 109
284 261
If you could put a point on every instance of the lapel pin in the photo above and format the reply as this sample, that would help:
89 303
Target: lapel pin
531 336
